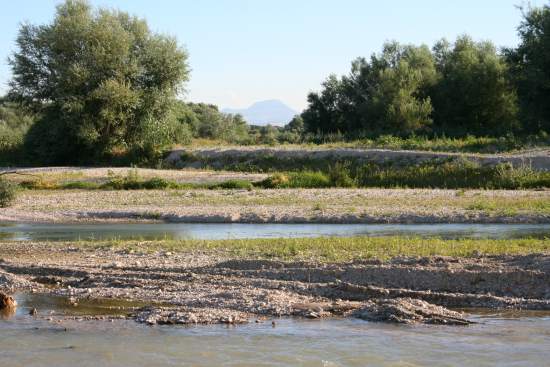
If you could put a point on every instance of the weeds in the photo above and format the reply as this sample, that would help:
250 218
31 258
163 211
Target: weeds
456 174
7 193
341 249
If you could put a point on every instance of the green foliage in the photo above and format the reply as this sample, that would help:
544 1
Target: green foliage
469 143
331 249
406 90
7 193
234 184
449 174
473 94
530 67
15 121
200 120
340 175
102 78
452 175
132 181
383 95
304 179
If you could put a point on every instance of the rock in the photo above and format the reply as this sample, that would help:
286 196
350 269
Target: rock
33 312
409 311
7 302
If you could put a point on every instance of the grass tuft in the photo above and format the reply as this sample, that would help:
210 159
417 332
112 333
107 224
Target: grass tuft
340 249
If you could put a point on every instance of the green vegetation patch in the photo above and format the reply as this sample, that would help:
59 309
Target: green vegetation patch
7 193
132 181
448 174
338 249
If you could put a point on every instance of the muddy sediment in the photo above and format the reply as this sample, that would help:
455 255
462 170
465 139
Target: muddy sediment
208 287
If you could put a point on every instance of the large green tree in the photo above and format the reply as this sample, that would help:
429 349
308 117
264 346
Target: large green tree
530 66
386 94
474 94
102 79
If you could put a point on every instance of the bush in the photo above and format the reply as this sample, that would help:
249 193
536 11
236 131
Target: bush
7 193
277 180
234 184
340 175
306 180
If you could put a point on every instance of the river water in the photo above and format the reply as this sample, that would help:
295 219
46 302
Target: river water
499 338
503 339
156 231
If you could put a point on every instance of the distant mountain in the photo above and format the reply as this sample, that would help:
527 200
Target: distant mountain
272 112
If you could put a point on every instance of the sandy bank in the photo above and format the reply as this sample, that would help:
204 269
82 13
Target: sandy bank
284 206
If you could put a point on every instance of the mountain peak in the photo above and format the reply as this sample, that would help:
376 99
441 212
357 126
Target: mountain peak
271 111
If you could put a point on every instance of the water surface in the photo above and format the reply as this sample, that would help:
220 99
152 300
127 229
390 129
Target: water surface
500 338
156 231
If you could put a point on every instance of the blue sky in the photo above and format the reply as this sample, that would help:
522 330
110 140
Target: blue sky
242 51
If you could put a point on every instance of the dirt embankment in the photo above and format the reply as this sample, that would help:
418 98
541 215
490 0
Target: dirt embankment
200 287
537 159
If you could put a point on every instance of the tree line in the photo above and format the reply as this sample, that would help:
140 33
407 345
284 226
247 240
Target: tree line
98 83
453 89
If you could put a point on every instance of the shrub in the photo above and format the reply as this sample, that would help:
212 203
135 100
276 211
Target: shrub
277 180
80 185
340 175
305 179
234 184
157 183
7 193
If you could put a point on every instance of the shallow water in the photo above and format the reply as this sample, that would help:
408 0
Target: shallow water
504 339
152 231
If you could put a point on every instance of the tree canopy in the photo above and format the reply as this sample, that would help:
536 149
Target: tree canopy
456 89
102 78
530 68
473 94
382 95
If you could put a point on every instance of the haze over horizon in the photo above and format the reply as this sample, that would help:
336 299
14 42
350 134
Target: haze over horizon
243 51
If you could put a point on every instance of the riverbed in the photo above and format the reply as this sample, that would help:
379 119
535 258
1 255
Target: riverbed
88 299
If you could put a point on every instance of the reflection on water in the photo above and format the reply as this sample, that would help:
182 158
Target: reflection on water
63 306
155 231
496 340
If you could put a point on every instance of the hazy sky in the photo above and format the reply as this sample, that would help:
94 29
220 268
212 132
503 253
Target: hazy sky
242 51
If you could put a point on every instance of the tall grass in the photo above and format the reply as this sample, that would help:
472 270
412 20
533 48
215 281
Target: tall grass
468 144
7 193
456 174
450 174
